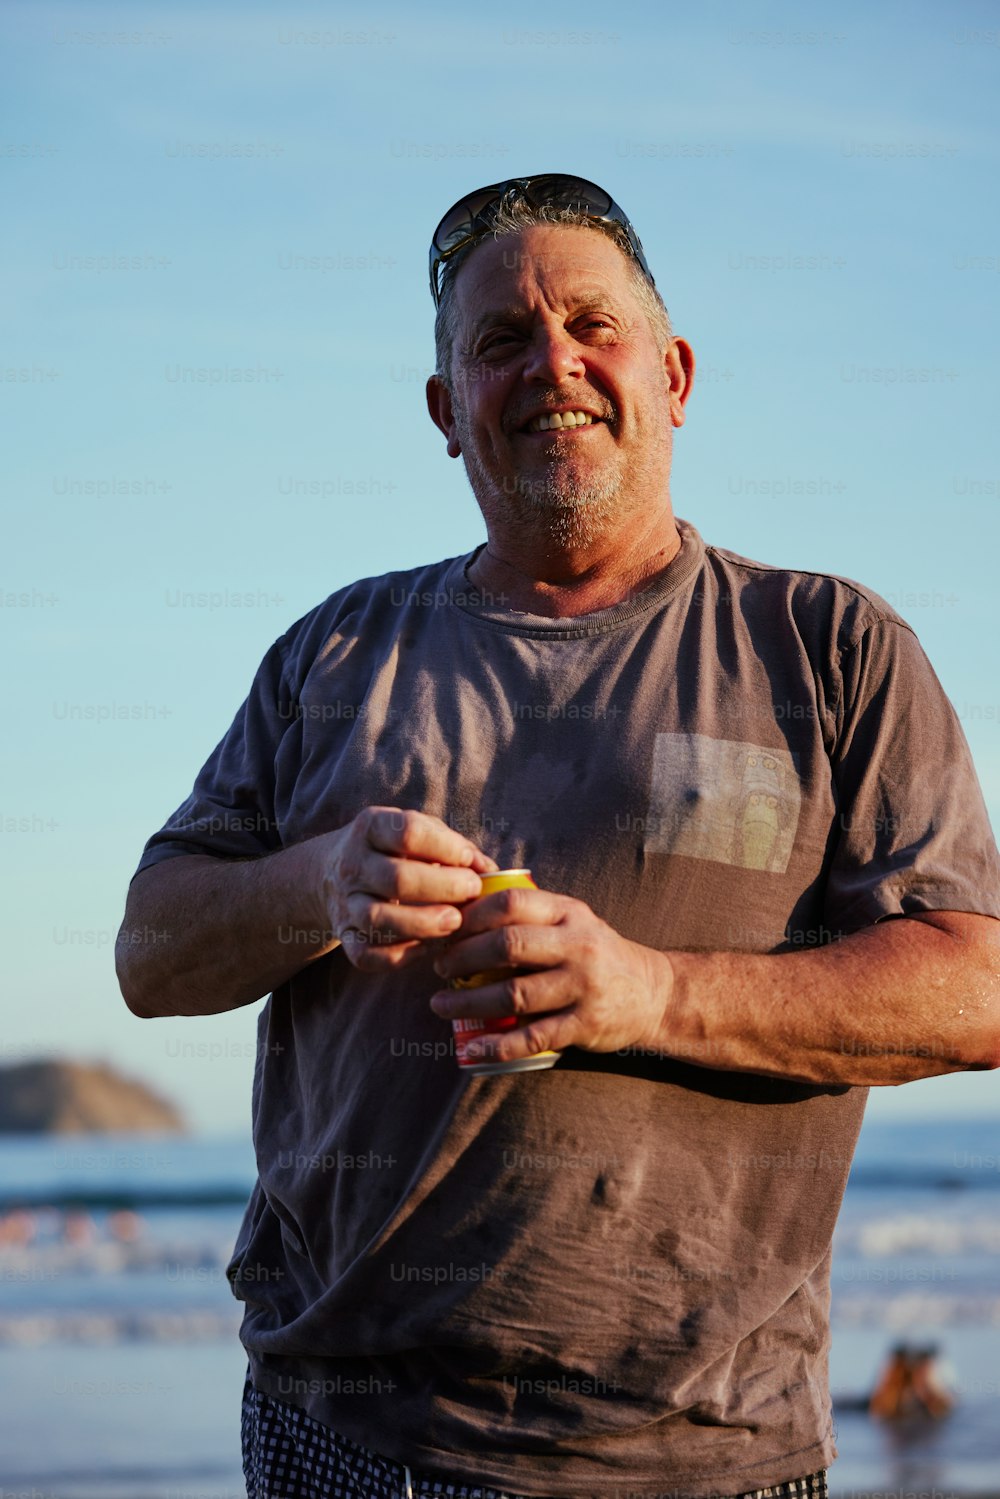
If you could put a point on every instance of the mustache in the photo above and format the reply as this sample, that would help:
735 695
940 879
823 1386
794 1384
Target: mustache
574 400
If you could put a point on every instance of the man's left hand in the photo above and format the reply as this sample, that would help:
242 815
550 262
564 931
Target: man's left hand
584 986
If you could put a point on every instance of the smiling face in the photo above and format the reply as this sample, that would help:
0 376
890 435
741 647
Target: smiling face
562 400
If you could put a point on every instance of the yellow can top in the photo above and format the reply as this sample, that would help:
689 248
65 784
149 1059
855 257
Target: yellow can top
508 879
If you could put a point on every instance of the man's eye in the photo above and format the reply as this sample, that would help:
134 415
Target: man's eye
502 336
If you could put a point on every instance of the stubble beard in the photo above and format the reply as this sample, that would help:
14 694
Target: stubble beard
557 508
566 513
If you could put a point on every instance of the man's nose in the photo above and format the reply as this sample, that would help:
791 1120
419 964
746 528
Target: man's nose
553 355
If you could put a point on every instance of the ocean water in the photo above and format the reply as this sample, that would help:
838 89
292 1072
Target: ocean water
122 1370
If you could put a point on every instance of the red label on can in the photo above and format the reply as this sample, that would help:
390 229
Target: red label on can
466 1029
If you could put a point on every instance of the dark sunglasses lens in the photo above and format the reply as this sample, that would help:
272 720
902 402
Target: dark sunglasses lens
469 217
570 192
563 192
458 222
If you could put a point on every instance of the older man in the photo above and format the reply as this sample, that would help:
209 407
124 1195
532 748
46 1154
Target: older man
767 881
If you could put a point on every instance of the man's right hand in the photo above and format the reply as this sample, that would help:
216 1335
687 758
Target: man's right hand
393 881
204 934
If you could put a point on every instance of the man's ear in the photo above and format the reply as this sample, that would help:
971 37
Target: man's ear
679 360
442 415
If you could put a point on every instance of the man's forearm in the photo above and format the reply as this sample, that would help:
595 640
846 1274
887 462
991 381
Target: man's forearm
905 999
204 935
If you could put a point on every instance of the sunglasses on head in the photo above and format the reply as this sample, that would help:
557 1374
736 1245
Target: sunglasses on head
473 216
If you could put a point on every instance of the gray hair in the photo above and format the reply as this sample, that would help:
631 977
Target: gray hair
514 218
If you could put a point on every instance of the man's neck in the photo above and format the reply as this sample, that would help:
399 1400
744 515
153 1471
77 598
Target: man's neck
563 583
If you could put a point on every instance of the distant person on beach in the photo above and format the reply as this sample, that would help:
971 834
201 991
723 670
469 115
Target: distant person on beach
909 1386
767 881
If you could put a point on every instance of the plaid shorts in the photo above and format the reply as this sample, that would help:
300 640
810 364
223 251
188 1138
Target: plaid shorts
288 1455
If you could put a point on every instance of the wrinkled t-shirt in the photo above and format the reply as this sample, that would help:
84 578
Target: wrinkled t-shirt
610 1278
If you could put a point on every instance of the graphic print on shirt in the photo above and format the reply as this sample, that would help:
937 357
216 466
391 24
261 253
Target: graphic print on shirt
723 800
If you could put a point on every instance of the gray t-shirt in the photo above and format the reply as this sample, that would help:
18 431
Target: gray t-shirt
613 1276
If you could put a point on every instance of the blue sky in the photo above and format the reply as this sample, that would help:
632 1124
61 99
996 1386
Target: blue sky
193 192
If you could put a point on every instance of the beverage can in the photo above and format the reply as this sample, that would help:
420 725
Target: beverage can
502 879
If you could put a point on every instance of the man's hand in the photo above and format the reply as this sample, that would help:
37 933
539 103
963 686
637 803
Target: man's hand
393 881
908 998
587 986
216 933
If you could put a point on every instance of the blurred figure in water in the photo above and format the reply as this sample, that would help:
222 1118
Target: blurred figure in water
126 1226
929 1384
17 1227
910 1385
79 1228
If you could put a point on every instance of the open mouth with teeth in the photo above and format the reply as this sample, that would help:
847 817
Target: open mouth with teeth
558 421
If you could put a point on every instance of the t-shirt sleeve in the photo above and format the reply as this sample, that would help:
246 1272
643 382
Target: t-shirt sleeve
230 813
912 829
